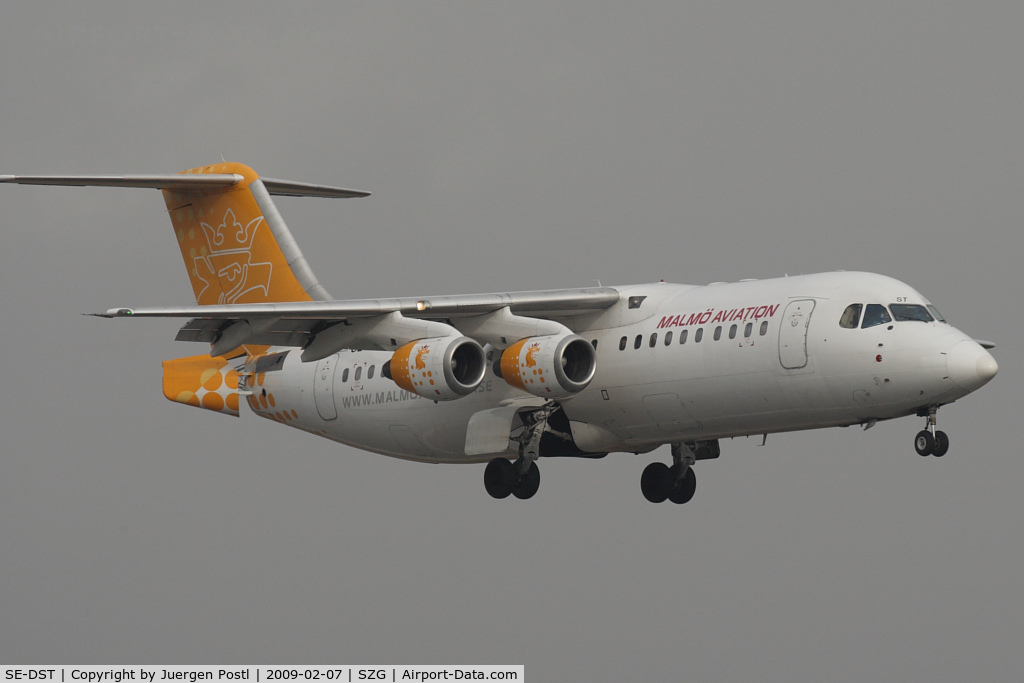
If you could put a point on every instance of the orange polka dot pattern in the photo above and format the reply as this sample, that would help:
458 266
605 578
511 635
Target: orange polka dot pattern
203 382
263 402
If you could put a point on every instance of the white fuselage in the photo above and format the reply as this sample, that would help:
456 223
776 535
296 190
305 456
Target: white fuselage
780 362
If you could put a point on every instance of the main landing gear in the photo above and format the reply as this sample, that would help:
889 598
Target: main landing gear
929 441
677 483
504 477
522 477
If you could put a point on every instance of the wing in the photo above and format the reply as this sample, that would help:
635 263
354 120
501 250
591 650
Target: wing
324 327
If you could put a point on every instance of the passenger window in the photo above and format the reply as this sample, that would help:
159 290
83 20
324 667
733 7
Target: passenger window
748 330
851 316
764 328
638 341
344 375
369 373
875 314
682 336
699 335
359 371
732 332
654 339
718 333
668 337
910 312
622 344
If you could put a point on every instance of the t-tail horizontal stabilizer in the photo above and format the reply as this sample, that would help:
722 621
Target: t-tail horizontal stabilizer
187 182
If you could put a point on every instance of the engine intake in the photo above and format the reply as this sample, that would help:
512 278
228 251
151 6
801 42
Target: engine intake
554 366
442 368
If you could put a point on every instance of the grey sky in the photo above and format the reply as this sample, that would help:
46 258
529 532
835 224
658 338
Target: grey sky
514 146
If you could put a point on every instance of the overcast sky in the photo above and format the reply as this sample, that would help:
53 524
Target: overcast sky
509 147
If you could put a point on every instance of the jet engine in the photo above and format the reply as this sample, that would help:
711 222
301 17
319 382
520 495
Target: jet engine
442 368
554 366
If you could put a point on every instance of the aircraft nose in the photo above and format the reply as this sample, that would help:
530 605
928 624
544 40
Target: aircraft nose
970 366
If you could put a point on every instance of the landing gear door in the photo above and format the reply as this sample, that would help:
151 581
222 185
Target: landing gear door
489 431
793 334
323 387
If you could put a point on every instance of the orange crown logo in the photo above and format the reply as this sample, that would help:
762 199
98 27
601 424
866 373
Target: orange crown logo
228 263
231 235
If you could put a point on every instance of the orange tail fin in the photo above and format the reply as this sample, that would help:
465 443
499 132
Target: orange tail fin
236 247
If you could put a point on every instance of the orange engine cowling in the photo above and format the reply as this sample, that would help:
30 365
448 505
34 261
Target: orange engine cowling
442 368
554 366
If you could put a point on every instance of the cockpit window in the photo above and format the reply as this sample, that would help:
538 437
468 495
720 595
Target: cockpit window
935 312
851 316
910 312
875 315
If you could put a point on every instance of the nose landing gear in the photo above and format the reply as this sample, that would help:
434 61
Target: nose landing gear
929 441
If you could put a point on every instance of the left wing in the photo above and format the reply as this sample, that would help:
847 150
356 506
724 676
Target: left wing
321 328
254 287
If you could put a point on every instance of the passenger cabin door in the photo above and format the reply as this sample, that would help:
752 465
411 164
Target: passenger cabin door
793 334
323 387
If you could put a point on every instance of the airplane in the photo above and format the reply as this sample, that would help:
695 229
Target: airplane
511 377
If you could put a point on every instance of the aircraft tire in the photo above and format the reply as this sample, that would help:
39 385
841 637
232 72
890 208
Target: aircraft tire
499 478
655 482
941 444
683 489
924 443
526 485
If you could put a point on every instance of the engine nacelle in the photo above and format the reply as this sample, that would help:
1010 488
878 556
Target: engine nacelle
442 368
554 366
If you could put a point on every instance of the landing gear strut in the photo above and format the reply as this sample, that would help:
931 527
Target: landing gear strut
522 477
929 441
677 483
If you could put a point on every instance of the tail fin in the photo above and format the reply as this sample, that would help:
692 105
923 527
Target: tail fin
236 247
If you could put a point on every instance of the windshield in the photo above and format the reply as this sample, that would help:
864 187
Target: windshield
875 315
910 312
851 316
935 312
